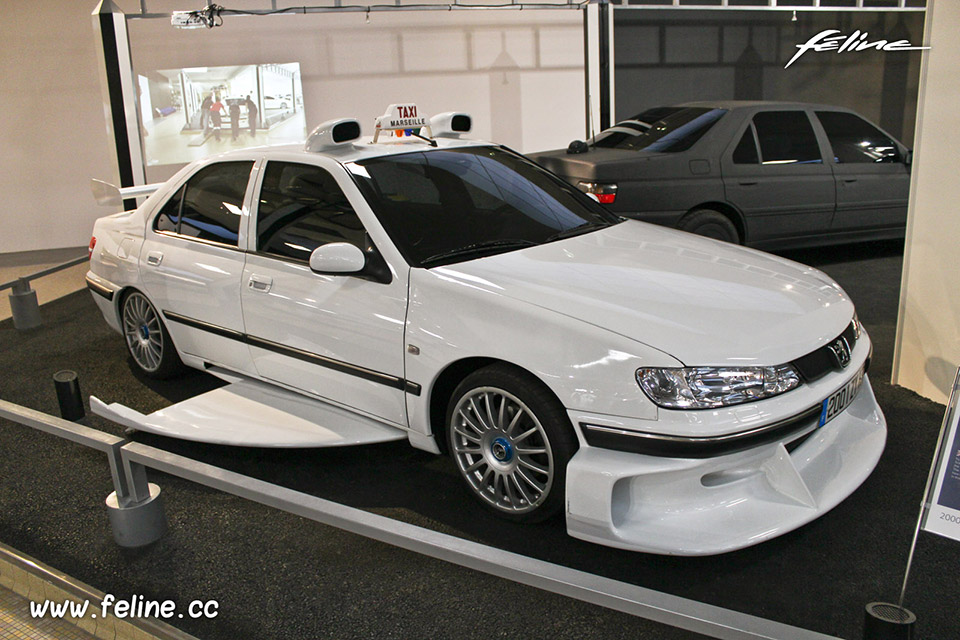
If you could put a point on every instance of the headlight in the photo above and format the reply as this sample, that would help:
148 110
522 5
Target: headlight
710 387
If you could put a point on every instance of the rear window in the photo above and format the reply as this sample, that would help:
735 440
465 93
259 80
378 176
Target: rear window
209 206
674 133
786 137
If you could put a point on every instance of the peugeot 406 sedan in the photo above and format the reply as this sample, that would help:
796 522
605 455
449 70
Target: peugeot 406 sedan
764 174
666 392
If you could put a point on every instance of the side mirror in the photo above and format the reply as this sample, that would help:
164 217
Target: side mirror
908 157
337 258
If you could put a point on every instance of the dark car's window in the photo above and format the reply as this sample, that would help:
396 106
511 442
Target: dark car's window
657 113
213 200
746 151
450 205
302 207
169 217
674 133
632 126
786 137
855 140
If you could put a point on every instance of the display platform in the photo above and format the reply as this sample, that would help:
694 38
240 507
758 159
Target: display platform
280 576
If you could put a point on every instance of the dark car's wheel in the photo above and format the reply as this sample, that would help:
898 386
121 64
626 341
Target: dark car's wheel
511 440
710 223
147 339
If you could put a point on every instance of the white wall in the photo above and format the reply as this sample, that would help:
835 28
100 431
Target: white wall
54 137
928 333
519 73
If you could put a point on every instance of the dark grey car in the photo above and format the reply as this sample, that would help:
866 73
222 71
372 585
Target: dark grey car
765 174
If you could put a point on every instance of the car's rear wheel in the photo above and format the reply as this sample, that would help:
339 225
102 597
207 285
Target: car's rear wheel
148 341
710 223
511 440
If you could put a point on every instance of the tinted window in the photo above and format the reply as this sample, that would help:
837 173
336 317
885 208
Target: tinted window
746 151
674 133
657 113
169 217
853 139
213 200
302 207
451 205
786 137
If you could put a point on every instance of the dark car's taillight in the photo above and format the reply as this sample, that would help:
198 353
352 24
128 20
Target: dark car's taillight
602 193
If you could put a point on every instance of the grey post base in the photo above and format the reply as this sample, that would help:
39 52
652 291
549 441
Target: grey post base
24 307
139 524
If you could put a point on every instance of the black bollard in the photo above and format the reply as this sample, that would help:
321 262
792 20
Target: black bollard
885 621
68 395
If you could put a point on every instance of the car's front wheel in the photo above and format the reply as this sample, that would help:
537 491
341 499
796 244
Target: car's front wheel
147 339
511 440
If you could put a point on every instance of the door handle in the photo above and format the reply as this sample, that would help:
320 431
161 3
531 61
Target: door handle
260 283
849 180
154 258
748 183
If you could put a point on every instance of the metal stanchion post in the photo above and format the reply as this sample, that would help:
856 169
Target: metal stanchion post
68 395
137 516
24 306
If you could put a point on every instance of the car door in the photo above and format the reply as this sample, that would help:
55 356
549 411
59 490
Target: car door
872 178
774 173
339 337
191 263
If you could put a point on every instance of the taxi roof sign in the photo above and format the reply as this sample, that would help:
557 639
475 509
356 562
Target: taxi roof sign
401 117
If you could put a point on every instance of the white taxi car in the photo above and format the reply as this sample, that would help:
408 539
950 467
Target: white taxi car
667 392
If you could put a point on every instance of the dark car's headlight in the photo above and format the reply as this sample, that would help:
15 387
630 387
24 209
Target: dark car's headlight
710 387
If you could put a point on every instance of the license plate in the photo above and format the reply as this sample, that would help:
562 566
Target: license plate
840 400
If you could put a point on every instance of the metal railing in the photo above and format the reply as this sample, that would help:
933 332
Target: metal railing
138 503
23 299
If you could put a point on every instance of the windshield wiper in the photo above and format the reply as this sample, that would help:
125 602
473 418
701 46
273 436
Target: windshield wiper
576 231
477 248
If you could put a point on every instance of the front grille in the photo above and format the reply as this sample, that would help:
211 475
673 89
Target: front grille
819 363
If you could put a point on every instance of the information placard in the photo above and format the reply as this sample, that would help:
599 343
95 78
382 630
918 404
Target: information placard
943 514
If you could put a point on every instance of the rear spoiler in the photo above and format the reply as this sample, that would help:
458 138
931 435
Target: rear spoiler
110 195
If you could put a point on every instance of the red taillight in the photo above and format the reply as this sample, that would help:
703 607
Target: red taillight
93 243
602 193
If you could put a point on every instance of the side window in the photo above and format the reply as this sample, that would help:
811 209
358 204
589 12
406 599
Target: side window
786 137
302 207
213 201
855 140
746 151
169 217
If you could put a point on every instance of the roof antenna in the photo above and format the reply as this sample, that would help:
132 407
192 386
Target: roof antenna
590 113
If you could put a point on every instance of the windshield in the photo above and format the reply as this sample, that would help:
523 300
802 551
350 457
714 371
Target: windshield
450 205
676 132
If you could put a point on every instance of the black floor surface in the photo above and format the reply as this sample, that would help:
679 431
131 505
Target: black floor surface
278 576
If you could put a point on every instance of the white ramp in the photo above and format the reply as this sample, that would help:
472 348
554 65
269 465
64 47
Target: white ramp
253 414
